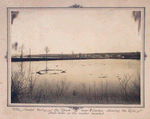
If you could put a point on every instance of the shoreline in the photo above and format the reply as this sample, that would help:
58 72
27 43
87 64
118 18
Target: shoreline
52 59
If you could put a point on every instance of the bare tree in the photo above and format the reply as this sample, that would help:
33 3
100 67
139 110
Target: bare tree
87 92
22 85
62 87
46 50
124 83
21 56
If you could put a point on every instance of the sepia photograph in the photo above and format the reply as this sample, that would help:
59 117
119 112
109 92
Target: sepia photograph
75 55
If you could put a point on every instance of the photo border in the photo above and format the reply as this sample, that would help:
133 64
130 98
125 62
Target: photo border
77 106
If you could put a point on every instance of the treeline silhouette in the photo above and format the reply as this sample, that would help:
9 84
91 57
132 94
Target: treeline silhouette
77 56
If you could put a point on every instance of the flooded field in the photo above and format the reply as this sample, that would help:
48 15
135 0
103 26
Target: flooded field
96 81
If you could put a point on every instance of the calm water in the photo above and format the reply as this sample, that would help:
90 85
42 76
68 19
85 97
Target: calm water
83 81
83 71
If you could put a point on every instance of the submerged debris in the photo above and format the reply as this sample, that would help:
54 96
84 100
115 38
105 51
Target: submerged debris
63 71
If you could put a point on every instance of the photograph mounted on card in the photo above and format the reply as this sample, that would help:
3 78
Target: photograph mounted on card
73 56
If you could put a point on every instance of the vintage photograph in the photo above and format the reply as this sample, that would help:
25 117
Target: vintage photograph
75 55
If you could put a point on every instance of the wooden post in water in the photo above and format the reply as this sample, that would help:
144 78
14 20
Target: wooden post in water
46 61
22 47
46 50
30 77
30 61
30 64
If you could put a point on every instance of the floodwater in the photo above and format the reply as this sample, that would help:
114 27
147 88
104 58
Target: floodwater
82 71
84 81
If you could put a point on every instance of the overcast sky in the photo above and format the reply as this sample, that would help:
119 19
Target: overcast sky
77 30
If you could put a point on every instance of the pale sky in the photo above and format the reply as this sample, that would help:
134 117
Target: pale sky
77 30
